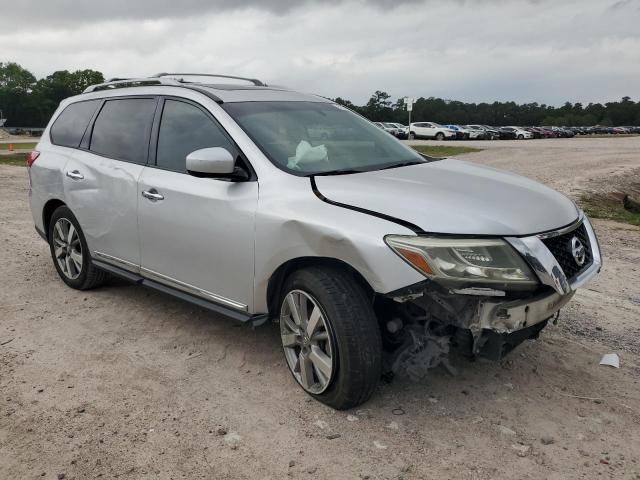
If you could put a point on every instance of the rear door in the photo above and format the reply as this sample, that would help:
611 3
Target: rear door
101 180
197 234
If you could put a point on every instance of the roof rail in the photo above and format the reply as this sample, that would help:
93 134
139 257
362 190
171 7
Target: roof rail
255 81
130 82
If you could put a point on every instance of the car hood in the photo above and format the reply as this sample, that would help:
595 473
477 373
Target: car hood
454 197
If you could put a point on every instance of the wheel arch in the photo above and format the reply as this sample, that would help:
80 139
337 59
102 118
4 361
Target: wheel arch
276 281
47 212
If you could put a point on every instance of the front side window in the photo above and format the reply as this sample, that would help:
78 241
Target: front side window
185 128
122 128
71 124
312 138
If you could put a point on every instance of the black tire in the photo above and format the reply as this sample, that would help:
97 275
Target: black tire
439 136
90 276
412 136
354 332
520 137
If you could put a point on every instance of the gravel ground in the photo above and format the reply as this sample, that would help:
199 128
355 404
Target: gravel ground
124 382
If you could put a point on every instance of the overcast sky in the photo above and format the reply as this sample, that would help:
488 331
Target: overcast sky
547 51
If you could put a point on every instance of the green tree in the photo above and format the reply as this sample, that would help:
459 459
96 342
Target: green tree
15 78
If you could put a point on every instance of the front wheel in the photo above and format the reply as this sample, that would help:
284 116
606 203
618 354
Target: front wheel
520 137
439 136
330 336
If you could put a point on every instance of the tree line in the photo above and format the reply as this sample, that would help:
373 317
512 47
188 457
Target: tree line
380 108
28 102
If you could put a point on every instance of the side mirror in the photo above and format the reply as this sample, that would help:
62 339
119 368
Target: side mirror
211 161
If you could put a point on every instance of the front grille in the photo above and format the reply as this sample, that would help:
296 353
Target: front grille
560 247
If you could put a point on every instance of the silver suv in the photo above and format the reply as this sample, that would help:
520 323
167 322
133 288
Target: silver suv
261 203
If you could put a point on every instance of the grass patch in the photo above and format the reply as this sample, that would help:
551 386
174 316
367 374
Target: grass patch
440 151
17 159
603 206
19 146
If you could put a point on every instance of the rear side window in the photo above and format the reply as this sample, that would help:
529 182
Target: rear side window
70 125
122 128
185 128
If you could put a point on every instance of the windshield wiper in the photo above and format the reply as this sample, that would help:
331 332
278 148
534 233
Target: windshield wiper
404 164
338 171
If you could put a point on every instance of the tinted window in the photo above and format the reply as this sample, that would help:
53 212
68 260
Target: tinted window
70 125
121 130
185 128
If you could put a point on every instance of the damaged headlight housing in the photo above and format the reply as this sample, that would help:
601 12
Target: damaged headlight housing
460 261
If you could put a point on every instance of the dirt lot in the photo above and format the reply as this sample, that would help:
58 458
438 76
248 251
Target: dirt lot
124 382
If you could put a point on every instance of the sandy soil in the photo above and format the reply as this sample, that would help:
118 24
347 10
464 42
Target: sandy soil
124 382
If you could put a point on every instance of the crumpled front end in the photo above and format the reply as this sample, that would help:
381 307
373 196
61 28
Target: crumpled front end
427 319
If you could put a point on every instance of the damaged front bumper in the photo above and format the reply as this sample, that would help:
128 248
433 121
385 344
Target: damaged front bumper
507 317
490 322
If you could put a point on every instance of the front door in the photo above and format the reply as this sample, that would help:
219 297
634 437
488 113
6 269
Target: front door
196 234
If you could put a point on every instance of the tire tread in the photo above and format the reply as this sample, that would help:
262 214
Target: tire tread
357 334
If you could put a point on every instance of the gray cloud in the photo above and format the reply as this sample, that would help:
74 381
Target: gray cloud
536 50
94 11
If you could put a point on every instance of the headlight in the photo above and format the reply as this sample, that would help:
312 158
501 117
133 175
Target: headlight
457 261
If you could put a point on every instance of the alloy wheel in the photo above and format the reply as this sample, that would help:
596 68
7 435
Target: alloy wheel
307 341
67 248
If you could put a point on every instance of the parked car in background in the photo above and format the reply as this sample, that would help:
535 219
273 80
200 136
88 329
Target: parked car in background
402 130
578 130
461 132
562 132
491 133
430 130
476 133
547 132
507 133
534 131
514 133
389 130
620 130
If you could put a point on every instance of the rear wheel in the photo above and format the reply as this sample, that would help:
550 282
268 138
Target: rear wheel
70 253
330 336
412 136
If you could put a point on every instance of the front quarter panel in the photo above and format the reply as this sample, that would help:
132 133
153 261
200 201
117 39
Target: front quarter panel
292 222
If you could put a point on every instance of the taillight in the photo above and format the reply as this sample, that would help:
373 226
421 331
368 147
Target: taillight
31 157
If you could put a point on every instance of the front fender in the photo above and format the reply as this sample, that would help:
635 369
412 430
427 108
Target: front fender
298 224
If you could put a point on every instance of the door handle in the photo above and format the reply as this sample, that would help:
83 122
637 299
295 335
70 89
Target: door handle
152 195
75 174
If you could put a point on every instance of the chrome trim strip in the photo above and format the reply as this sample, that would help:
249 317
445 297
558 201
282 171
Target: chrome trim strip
538 256
542 261
119 261
185 287
192 289
562 231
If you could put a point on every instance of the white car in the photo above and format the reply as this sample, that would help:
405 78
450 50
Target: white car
520 133
402 131
430 130
386 128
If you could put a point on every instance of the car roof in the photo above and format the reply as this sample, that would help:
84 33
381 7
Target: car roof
220 92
